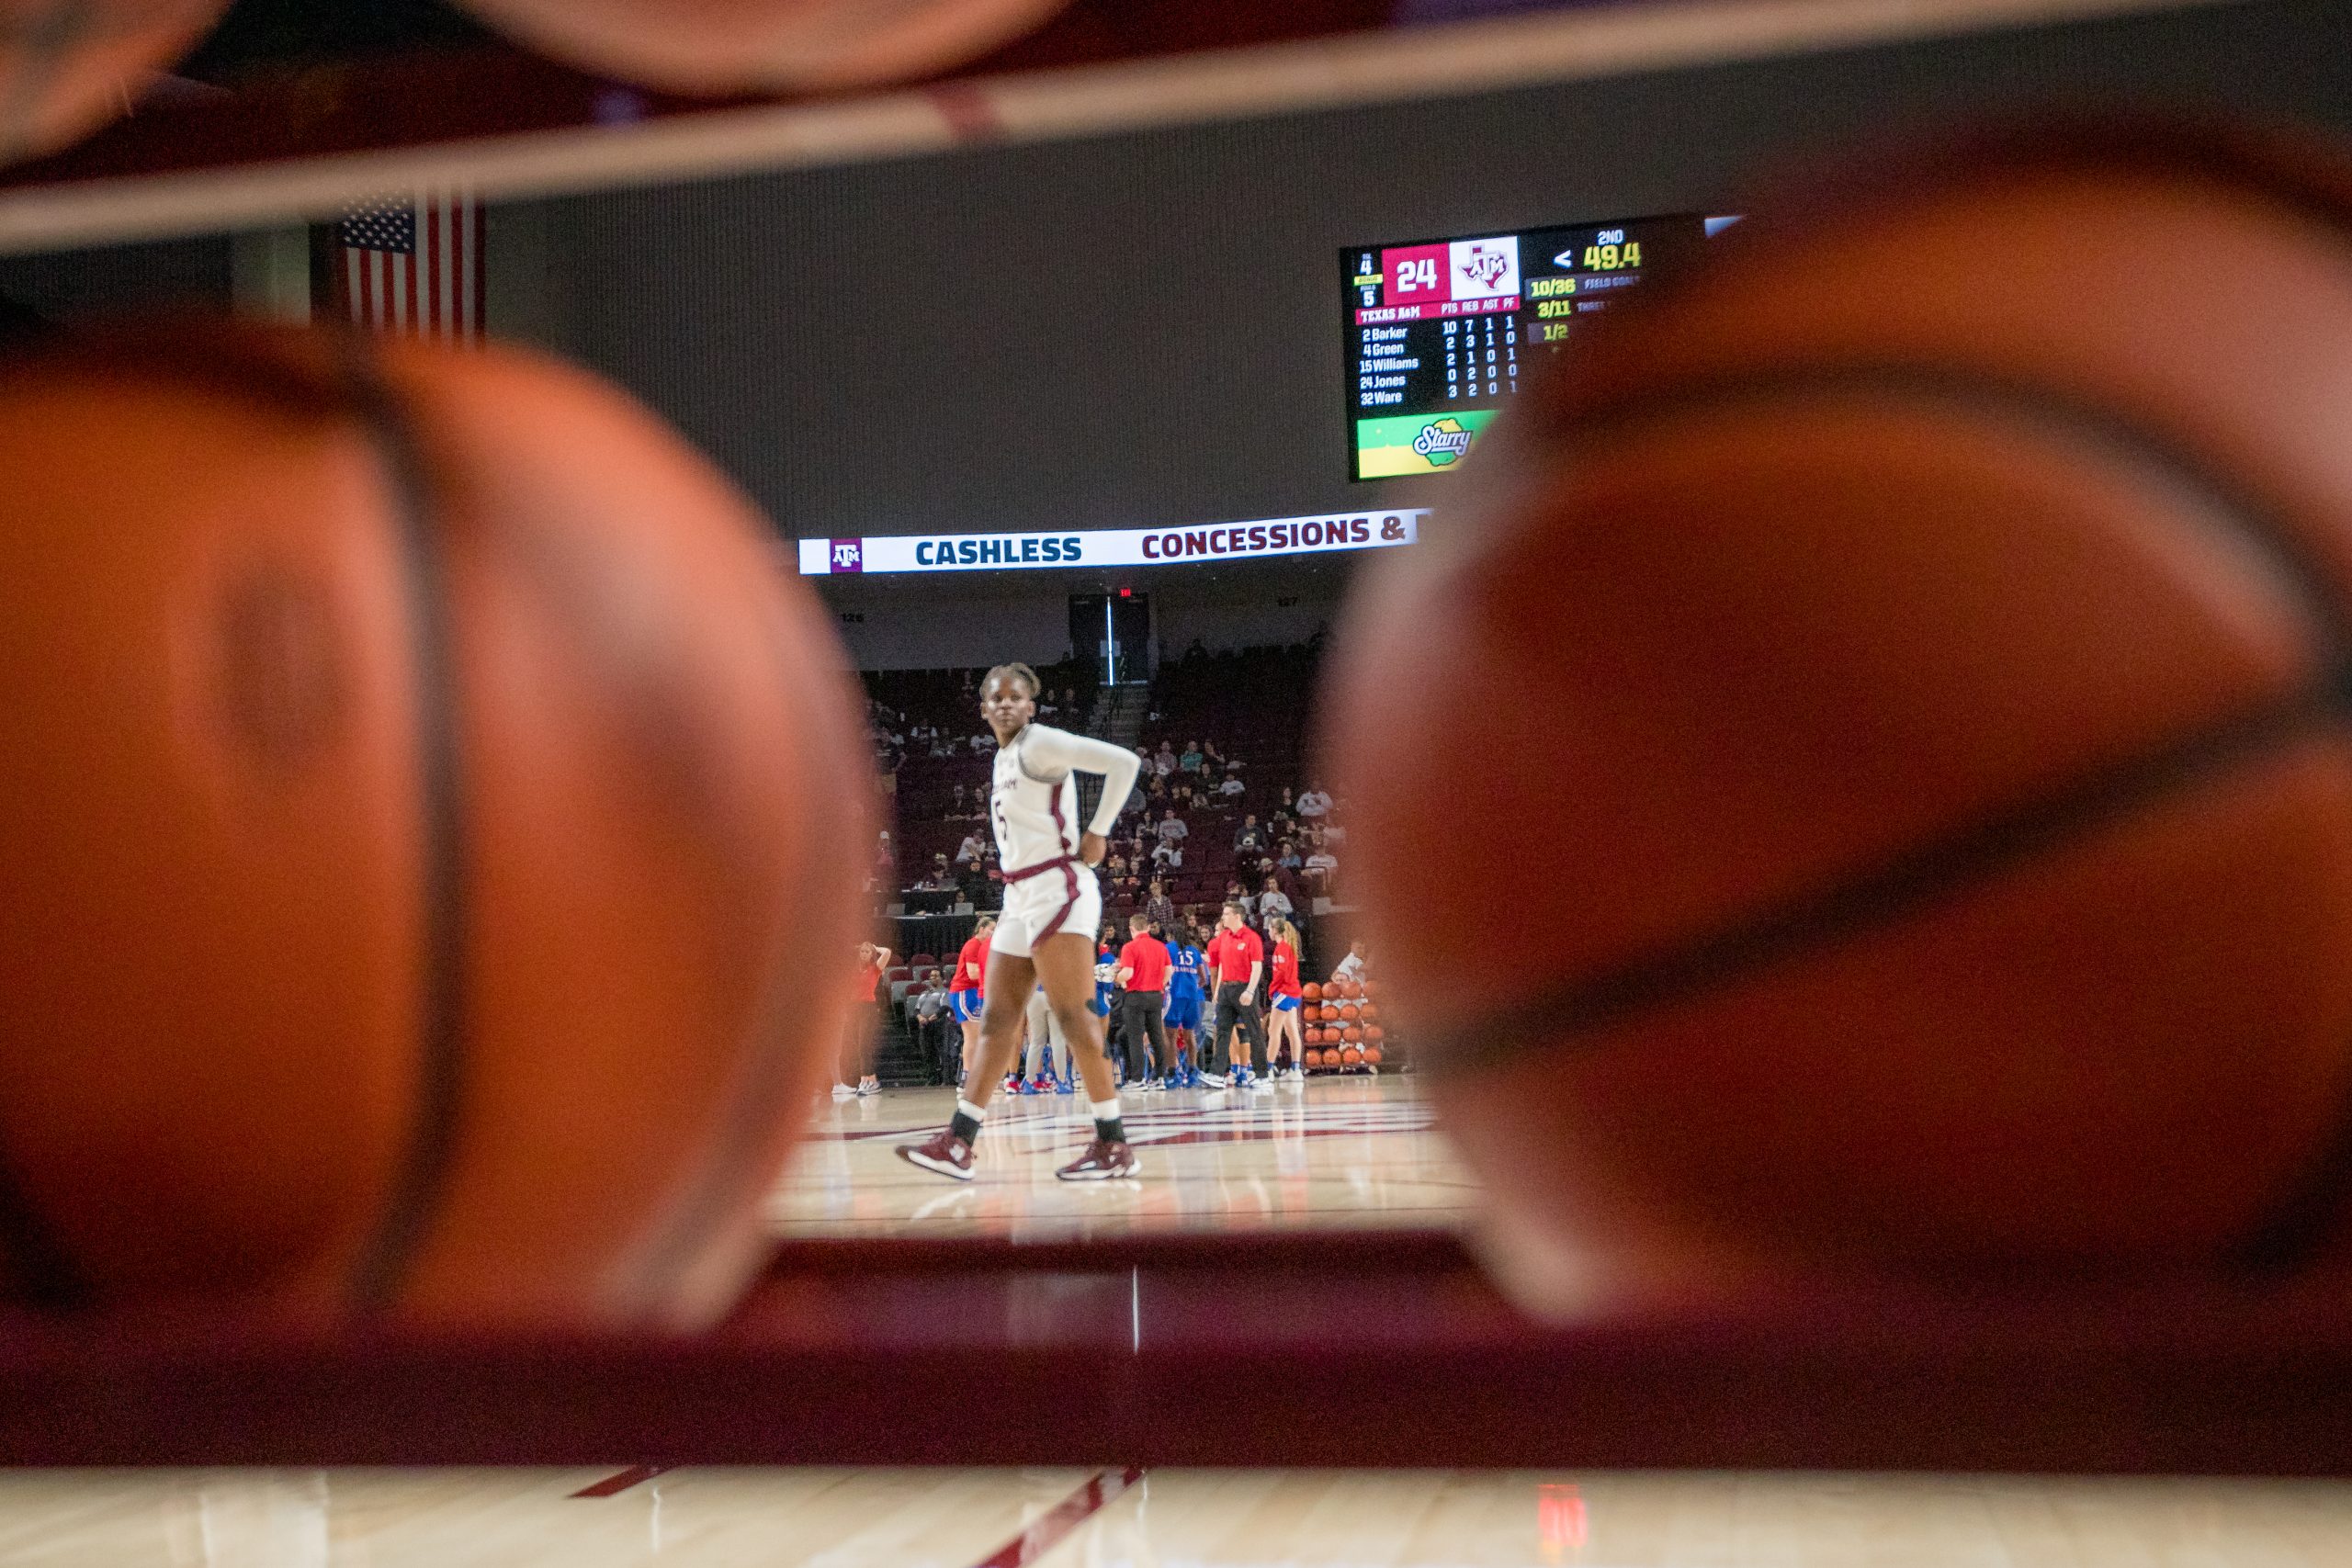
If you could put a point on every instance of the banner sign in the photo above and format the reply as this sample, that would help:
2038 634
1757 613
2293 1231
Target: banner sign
1113 546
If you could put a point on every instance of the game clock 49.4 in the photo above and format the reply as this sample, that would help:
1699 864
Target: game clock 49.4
1439 330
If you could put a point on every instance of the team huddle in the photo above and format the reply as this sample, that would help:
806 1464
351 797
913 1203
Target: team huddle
1037 975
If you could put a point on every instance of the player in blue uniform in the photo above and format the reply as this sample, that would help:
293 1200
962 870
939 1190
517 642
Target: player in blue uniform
1106 968
1186 962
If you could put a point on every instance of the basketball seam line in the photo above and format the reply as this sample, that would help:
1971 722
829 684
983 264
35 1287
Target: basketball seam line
2288 1230
44 1276
421 1176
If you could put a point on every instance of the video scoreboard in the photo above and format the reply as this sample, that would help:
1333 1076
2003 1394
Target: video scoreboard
1441 331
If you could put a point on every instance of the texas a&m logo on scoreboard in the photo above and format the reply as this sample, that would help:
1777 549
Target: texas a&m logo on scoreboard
1451 277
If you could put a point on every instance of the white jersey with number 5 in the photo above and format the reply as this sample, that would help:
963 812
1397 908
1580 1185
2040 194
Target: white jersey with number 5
1034 800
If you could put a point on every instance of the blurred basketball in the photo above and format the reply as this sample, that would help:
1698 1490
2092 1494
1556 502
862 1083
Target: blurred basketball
1372 988
1945 679
1347 1012
1351 1035
1375 1033
69 66
1329 1012
1351 1057
1311 992
1314 1058
728 46
1368 1011
432 844
1372 1054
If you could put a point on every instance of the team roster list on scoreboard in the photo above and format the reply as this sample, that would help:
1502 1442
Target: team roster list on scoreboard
1440 332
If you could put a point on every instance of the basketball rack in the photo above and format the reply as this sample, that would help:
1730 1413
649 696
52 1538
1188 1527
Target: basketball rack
1364 1350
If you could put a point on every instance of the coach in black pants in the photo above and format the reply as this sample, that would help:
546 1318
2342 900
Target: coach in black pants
1143 970
1238 958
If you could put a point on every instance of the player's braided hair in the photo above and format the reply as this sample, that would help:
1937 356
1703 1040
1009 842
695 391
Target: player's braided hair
1019 672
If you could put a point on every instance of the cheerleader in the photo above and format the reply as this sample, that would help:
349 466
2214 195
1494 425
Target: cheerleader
1283 994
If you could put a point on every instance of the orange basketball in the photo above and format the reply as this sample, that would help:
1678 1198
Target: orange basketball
1375 1033
434 843
1329 1012
1372 988
1311 992
1368 1011
69 66
1314 1058
1372 1056
1946 679
1351 1056
1347 1012
1351 1035
721 46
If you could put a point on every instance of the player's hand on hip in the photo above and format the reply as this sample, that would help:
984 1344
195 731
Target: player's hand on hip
1092 848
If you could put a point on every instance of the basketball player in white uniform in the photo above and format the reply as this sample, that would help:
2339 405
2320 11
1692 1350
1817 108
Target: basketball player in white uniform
1052 909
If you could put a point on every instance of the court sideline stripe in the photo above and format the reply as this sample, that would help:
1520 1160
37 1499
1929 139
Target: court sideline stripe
621 1481
1048 1530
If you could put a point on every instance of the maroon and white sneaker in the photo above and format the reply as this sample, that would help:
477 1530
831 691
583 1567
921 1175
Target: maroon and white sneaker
1102 1161
946 1153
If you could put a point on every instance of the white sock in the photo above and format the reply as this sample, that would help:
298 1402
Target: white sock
976 1112
1105 1110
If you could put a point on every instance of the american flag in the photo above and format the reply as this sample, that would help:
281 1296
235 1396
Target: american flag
412 264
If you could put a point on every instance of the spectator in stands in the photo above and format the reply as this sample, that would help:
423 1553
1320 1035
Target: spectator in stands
1231 788
1281 824
1163 761
1171 829
1155 793
961 805
1115 866
1322 866
1353 966
1288 859
1169 856
1159 907
941 878
1273 901
1313 805
971 850
1249 837
885 857
1289 806
982 742
1191 759
928 1009
1181 798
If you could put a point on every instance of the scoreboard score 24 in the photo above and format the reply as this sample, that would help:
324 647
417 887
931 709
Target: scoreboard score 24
1438 330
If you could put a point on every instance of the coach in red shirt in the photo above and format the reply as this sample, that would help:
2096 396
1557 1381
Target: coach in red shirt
1238 958
1143 970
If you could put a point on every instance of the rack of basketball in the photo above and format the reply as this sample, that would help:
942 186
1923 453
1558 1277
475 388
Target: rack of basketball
1339 1021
